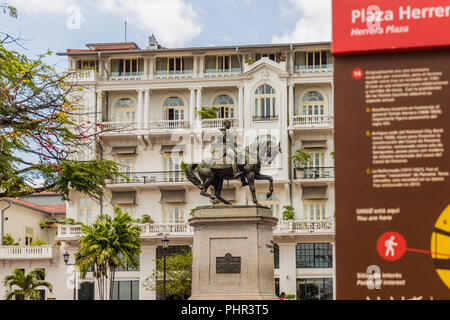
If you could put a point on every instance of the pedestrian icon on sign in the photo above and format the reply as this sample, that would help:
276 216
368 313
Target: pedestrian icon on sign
390 244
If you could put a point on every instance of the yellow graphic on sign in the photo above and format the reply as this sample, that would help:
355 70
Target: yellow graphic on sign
440 246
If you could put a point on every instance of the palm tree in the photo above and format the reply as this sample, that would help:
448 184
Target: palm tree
109 243
26 284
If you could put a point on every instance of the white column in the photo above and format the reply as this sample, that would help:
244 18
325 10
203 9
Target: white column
202 64
288 268
145 68
192 107
100 68
199 106
146 108
241 106
99 110
291 104
152 68
140 108
147 265
195 75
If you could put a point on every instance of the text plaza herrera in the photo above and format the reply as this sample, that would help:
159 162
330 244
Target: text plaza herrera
375 14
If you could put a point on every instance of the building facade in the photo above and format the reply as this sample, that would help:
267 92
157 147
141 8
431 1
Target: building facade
147 101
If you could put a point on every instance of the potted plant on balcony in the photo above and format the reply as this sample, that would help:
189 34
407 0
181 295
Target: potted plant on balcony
300 159
8 240
250 61
288 213
38 242
146 219
46 223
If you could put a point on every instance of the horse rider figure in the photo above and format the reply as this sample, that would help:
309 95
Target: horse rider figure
231 148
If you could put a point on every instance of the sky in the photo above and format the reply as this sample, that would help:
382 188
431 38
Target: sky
60 24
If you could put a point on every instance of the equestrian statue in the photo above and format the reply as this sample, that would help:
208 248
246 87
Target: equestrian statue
234 163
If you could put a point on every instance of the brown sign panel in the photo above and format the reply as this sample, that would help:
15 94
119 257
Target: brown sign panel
228 264
392 143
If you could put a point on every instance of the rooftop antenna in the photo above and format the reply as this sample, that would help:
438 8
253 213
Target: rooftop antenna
125 30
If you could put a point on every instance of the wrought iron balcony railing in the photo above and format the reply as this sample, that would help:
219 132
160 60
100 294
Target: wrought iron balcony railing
149 177
314 173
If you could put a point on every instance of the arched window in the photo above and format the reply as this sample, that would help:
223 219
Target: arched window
313 105
226 107
173 109
265 103
125 111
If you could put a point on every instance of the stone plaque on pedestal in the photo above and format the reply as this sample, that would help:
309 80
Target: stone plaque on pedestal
233 253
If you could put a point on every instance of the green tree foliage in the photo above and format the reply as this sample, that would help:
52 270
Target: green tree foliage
208 112
19 284
178 275
145 219
300 158
102 245
288 213
38 133
38 242
8 240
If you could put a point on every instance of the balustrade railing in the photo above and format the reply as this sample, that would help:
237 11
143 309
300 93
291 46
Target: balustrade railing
184 229
313 120
26 252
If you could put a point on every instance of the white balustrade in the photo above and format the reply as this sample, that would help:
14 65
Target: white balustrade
218 123
77 76
311 121
118 127
69 231
167 124
184 229
26 252
305 226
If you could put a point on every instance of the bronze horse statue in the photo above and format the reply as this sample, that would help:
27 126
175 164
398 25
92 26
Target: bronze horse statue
212 171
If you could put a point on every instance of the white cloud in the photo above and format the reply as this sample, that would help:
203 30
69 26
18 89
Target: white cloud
314 24
174 22
41 6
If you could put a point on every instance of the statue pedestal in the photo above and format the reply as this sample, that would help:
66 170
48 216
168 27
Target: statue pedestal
233 253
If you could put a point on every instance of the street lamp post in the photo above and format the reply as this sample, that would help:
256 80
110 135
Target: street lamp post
165 246
66 260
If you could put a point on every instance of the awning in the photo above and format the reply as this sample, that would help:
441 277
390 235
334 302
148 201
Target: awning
314 144
124 150
170 148
314 193
123 197
173 196
229 194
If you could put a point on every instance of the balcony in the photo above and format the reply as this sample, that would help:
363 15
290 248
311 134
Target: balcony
314 173
212 74
305 227
78 76
218 123
27 252
292 227
172 229
311 122
68 232
156 177
154 126
184 75
314 71
265 118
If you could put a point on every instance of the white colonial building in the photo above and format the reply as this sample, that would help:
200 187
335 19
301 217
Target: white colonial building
143 97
